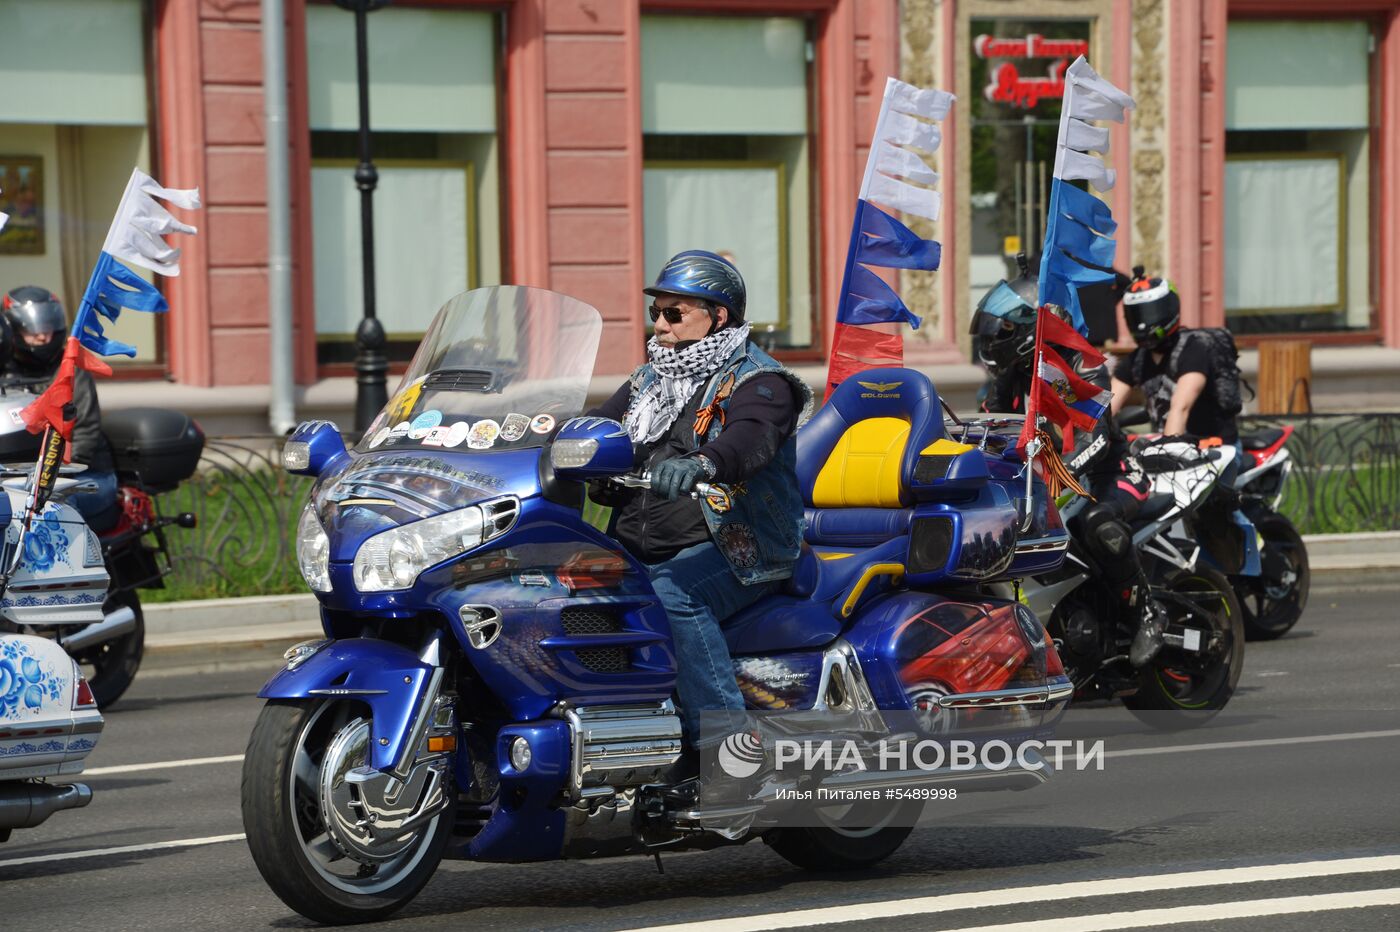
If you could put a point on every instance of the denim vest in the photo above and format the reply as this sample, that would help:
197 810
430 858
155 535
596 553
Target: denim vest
761 533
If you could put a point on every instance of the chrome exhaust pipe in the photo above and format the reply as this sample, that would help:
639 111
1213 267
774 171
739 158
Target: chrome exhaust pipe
114 625
25 805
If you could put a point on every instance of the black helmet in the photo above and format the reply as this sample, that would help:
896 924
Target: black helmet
1003 326
696 273
31 310
1152 309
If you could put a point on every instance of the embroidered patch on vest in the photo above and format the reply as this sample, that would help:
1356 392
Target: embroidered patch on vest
739 544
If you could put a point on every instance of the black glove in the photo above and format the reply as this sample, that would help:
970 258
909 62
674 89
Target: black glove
675 476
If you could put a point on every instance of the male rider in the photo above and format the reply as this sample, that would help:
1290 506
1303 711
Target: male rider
41 330
708 406
1004 329
1172 369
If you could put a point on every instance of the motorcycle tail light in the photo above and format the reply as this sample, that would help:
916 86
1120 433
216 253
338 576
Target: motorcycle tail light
83 697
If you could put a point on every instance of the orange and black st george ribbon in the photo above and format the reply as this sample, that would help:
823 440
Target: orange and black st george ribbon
50 460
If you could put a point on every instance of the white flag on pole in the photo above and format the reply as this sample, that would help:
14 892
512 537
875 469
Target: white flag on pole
141 221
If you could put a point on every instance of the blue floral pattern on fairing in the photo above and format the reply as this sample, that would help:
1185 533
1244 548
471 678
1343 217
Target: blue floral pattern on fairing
24 683
46 544
85 598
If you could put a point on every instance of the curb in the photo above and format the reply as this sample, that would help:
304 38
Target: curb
253 632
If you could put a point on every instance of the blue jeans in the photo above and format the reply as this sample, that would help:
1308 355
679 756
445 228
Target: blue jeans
99 508
699 590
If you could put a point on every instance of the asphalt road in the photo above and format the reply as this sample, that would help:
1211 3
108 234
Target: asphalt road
1282 814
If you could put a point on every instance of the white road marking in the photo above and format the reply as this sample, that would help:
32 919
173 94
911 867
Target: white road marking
162 765
1255 743
1272 673
125 849
1209 912
923 905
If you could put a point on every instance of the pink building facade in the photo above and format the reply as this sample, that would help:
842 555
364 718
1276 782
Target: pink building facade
568 144
571 143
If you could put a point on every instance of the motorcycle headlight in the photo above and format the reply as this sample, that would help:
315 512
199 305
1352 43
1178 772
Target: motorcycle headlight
313 550
395 558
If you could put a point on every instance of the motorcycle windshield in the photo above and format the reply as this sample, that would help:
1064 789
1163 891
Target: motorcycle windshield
498 369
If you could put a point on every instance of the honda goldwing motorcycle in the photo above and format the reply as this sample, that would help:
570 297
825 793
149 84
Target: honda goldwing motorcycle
496 677
49 723
154 450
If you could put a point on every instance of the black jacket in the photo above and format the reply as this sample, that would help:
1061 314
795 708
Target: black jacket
762 414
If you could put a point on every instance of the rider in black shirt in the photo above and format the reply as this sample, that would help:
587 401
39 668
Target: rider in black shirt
1172 370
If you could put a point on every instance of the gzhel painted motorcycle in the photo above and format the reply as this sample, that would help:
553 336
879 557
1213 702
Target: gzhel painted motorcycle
495 682
48 724
154 450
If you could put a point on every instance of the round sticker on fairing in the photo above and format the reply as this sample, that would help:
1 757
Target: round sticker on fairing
399 429
483 434
424 423
542 424
456 434
379 438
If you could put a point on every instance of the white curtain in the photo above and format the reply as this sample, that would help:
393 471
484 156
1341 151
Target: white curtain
1283 233
734 210
711 74
72 61
1290 74
422 245
429 70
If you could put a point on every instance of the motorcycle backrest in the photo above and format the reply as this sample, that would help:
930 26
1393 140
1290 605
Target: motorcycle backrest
862 448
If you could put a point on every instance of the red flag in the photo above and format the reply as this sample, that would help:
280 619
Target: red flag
1054 330
857 348
1073 399
48 410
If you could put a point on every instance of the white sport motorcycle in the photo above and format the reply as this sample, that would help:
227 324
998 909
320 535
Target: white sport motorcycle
1194 674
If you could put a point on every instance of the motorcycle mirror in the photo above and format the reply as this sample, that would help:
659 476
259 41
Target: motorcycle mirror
313 447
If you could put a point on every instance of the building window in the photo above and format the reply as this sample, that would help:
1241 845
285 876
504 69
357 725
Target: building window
1017 71
73 122
433 103
727 150
1298 174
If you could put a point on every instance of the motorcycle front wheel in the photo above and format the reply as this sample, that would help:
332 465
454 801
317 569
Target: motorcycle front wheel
295 747
1274 600
1182 688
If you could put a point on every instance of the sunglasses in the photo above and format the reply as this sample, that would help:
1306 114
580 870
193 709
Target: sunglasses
673 315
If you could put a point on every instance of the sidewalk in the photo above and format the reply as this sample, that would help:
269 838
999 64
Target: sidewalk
226 634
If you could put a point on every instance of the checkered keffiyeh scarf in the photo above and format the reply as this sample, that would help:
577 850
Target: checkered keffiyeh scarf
654 409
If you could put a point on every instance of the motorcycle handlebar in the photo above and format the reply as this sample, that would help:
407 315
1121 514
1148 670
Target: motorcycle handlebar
643 481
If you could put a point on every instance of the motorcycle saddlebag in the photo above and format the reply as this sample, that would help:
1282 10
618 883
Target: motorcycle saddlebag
157 447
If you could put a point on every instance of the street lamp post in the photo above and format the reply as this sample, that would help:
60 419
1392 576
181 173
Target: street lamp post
371 359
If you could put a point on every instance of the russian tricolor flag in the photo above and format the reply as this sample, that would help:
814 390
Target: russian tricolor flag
897 179
1079 227
135 236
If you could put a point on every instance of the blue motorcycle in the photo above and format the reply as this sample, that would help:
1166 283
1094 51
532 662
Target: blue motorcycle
495 682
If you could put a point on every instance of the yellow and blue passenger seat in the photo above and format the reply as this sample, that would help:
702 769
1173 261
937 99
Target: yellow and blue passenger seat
859 455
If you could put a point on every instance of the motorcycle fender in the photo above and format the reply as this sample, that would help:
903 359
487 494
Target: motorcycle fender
391 680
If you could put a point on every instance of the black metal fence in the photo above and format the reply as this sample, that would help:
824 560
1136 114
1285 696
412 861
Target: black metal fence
1346 476
248 507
